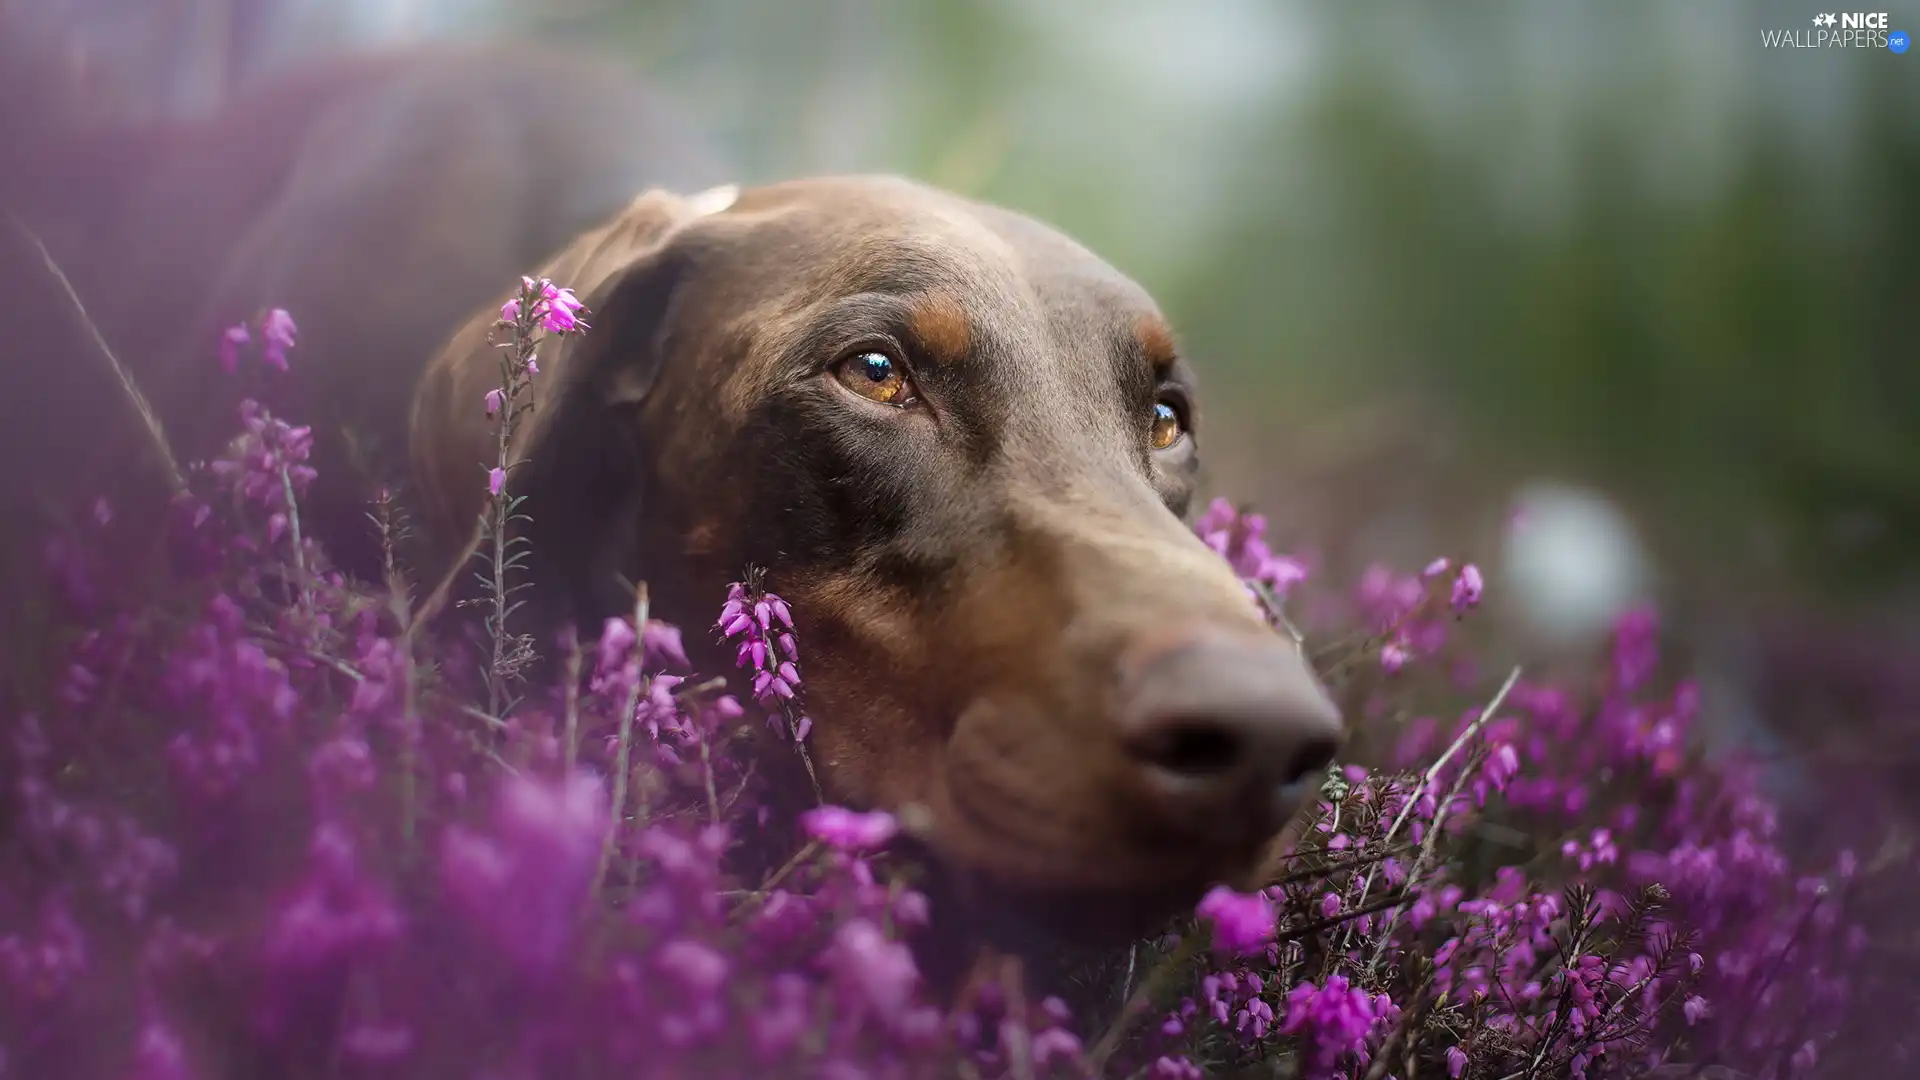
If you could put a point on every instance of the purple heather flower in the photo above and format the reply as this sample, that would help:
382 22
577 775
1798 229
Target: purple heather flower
496 481
378 1042
563 311
555 309
1241 921
849 830
1393 656
699 969
1502 765
1175 1068
876 972
663 646
496 400
160 1055
1636 647
277 332
1333 1020
784 1018
1054 1044
232 341
523 883
1456 1061
335 916
1467 589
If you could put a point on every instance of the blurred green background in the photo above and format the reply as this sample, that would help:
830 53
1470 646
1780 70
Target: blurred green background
1428 257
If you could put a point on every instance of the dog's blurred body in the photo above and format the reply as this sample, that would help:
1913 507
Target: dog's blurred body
348 194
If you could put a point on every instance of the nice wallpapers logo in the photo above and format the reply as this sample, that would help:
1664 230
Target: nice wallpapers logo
1847 29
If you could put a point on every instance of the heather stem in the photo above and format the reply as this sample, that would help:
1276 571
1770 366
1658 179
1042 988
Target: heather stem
176 480
623 757
304 583
1157 980
571 746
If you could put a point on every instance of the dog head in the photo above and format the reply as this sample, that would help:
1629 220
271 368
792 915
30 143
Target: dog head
961 445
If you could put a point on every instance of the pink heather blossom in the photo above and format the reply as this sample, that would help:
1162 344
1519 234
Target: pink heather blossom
875 972
277 333
1175 1068
563 312
761 626
1456 1061
1241 540
1333 1020
1636 647
1467 589
521 883
1241 921
555 309
160 1054
232 341
698 968
1502 765
849 830
1393 656
1695 1008
496 481
496 400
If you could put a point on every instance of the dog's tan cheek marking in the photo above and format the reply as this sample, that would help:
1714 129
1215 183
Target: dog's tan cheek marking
704 537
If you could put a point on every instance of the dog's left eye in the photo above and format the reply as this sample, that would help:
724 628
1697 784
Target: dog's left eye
1168 427
876 377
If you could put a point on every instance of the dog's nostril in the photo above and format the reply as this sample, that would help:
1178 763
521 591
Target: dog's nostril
1192 749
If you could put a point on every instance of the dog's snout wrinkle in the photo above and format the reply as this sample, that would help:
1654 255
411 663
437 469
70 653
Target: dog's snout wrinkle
1227 734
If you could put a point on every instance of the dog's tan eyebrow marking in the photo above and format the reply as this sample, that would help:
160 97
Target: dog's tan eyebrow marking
941 327
1156 342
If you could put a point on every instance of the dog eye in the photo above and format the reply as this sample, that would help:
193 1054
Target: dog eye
1168 427
876 377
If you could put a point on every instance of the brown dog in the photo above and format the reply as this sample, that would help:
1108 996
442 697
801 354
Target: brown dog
962 445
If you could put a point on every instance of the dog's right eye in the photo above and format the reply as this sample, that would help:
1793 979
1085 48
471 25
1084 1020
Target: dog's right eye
877 377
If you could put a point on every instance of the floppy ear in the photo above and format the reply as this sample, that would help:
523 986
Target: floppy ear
582 475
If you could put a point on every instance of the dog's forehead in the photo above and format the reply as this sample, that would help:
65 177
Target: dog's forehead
880 234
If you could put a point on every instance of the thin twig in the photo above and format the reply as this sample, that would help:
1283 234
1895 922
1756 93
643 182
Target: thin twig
1433 771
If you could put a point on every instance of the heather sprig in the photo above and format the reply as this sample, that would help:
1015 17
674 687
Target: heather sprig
539 309
766 644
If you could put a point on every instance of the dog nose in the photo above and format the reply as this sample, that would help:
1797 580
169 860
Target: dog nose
1230 736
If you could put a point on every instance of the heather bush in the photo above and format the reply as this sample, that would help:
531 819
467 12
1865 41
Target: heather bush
272 822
